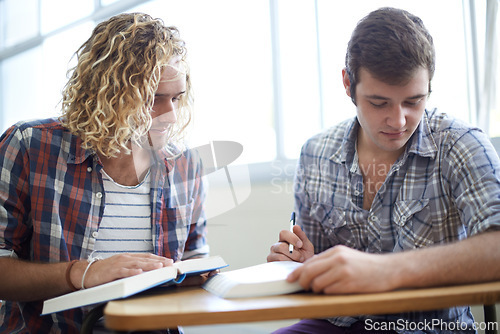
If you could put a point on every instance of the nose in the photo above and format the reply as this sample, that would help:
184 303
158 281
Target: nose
396 118
166 117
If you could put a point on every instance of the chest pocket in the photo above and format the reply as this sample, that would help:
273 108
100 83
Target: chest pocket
414 224
340 226
178 224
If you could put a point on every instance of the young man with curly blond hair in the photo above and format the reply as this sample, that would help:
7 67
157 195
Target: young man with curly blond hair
107 180
397 197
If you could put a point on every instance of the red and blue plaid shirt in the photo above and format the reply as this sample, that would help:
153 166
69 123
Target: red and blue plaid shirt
52 200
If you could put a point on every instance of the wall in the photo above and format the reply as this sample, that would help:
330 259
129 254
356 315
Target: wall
244 234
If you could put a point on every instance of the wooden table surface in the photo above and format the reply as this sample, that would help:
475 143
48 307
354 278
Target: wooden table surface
195 306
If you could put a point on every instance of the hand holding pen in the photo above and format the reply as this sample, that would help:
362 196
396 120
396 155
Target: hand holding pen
293 244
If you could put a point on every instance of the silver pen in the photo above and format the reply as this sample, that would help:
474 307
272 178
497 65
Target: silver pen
292 224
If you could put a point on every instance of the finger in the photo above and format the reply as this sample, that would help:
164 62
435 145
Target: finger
303 237
213 273
336 288
147 265
279 248
301 276
296 255
272 257
324 280
140 260
294 275
280 252
152 257
133 268
290 238
311 270
196 280
127 272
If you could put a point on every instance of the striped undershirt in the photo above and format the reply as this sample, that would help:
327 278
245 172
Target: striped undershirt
126 223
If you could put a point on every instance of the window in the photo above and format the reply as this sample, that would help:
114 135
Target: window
229 51
266 73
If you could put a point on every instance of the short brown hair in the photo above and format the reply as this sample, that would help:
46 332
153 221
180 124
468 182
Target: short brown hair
108 100
391 44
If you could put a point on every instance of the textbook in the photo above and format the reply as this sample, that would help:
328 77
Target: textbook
265 279
132 285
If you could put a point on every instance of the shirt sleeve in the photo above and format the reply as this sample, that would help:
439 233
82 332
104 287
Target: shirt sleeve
305 174
472 169
196 243
7 253
14 194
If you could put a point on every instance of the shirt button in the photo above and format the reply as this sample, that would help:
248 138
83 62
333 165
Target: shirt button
89 169
98 195
373 218
356 193
95 234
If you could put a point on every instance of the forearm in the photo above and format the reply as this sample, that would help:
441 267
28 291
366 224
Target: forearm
28 281
468 261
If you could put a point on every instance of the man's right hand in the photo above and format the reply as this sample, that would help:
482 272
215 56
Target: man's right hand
303 248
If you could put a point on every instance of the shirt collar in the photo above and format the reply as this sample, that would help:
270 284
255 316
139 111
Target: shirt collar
346 151
77 154
420 143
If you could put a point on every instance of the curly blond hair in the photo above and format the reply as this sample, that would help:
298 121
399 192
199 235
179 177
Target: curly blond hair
108 99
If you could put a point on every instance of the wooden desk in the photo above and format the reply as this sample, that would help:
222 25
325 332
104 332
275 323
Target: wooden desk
195 306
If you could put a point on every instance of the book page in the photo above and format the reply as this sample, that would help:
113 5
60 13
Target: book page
261 280
200 265
271 271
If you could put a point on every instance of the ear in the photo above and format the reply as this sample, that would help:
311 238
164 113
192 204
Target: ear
346 82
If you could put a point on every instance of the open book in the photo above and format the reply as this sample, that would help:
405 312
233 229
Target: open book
129 286
261 280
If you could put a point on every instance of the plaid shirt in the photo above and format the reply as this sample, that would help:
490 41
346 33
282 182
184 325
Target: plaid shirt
52 200
444 188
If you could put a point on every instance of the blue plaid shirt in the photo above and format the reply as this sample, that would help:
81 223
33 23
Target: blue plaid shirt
444 188
52 200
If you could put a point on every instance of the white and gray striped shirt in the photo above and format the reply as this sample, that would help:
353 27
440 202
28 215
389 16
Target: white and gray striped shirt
126 223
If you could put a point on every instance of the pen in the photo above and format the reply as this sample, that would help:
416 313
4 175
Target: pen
292 224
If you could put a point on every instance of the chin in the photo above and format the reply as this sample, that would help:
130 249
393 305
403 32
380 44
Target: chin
395 146
158 142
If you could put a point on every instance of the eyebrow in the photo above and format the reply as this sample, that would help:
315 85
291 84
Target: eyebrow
378 97
163 94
